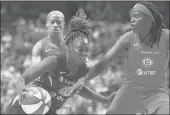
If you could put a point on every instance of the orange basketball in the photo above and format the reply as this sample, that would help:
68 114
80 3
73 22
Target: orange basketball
36 101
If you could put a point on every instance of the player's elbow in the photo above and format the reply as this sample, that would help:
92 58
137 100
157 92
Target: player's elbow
27 77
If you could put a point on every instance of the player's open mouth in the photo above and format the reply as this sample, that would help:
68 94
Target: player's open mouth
132 25
55 29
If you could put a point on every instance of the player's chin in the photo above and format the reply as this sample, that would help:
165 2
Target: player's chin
55 31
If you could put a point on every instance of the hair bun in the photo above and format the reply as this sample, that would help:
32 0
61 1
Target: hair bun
80 14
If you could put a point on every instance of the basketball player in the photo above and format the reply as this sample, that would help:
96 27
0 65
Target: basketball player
64 70
53 42
146 47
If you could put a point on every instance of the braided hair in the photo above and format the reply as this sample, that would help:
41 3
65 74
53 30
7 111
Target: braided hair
158 24
78 26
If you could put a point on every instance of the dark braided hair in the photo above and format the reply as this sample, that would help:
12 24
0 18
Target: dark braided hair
78 26
157 26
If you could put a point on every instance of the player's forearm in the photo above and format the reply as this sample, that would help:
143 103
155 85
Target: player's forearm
119 48
35 60
96 70
90 94
31 74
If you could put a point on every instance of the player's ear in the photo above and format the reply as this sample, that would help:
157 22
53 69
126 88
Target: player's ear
47 23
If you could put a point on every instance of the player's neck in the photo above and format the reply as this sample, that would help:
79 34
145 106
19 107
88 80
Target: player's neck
56 39
144 37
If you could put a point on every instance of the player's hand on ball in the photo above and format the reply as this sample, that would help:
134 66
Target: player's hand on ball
35 100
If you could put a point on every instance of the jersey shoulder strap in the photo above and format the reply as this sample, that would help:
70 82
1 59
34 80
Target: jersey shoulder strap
44 43
162 42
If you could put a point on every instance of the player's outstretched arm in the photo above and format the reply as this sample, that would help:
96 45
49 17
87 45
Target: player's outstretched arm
35 71
92 95
119 48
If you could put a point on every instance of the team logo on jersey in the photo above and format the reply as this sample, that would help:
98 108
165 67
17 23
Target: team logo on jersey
139 72
47 49
52 93
66 91
147 62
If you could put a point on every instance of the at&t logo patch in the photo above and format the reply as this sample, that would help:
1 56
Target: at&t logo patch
141 72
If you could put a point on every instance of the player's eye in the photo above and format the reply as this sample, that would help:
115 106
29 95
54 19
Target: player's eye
57 22
52 22
135 15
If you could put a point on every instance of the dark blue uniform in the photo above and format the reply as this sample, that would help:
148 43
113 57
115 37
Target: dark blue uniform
59 81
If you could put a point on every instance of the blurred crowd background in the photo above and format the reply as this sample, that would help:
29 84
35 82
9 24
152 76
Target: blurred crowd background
23 24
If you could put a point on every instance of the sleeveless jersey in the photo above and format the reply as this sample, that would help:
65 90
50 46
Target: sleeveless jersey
59 82
50 49
145 66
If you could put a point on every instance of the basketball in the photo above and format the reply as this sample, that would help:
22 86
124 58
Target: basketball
35 100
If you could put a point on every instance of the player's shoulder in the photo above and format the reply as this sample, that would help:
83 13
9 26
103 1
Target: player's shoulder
165 38
126 38
165 30
43 40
